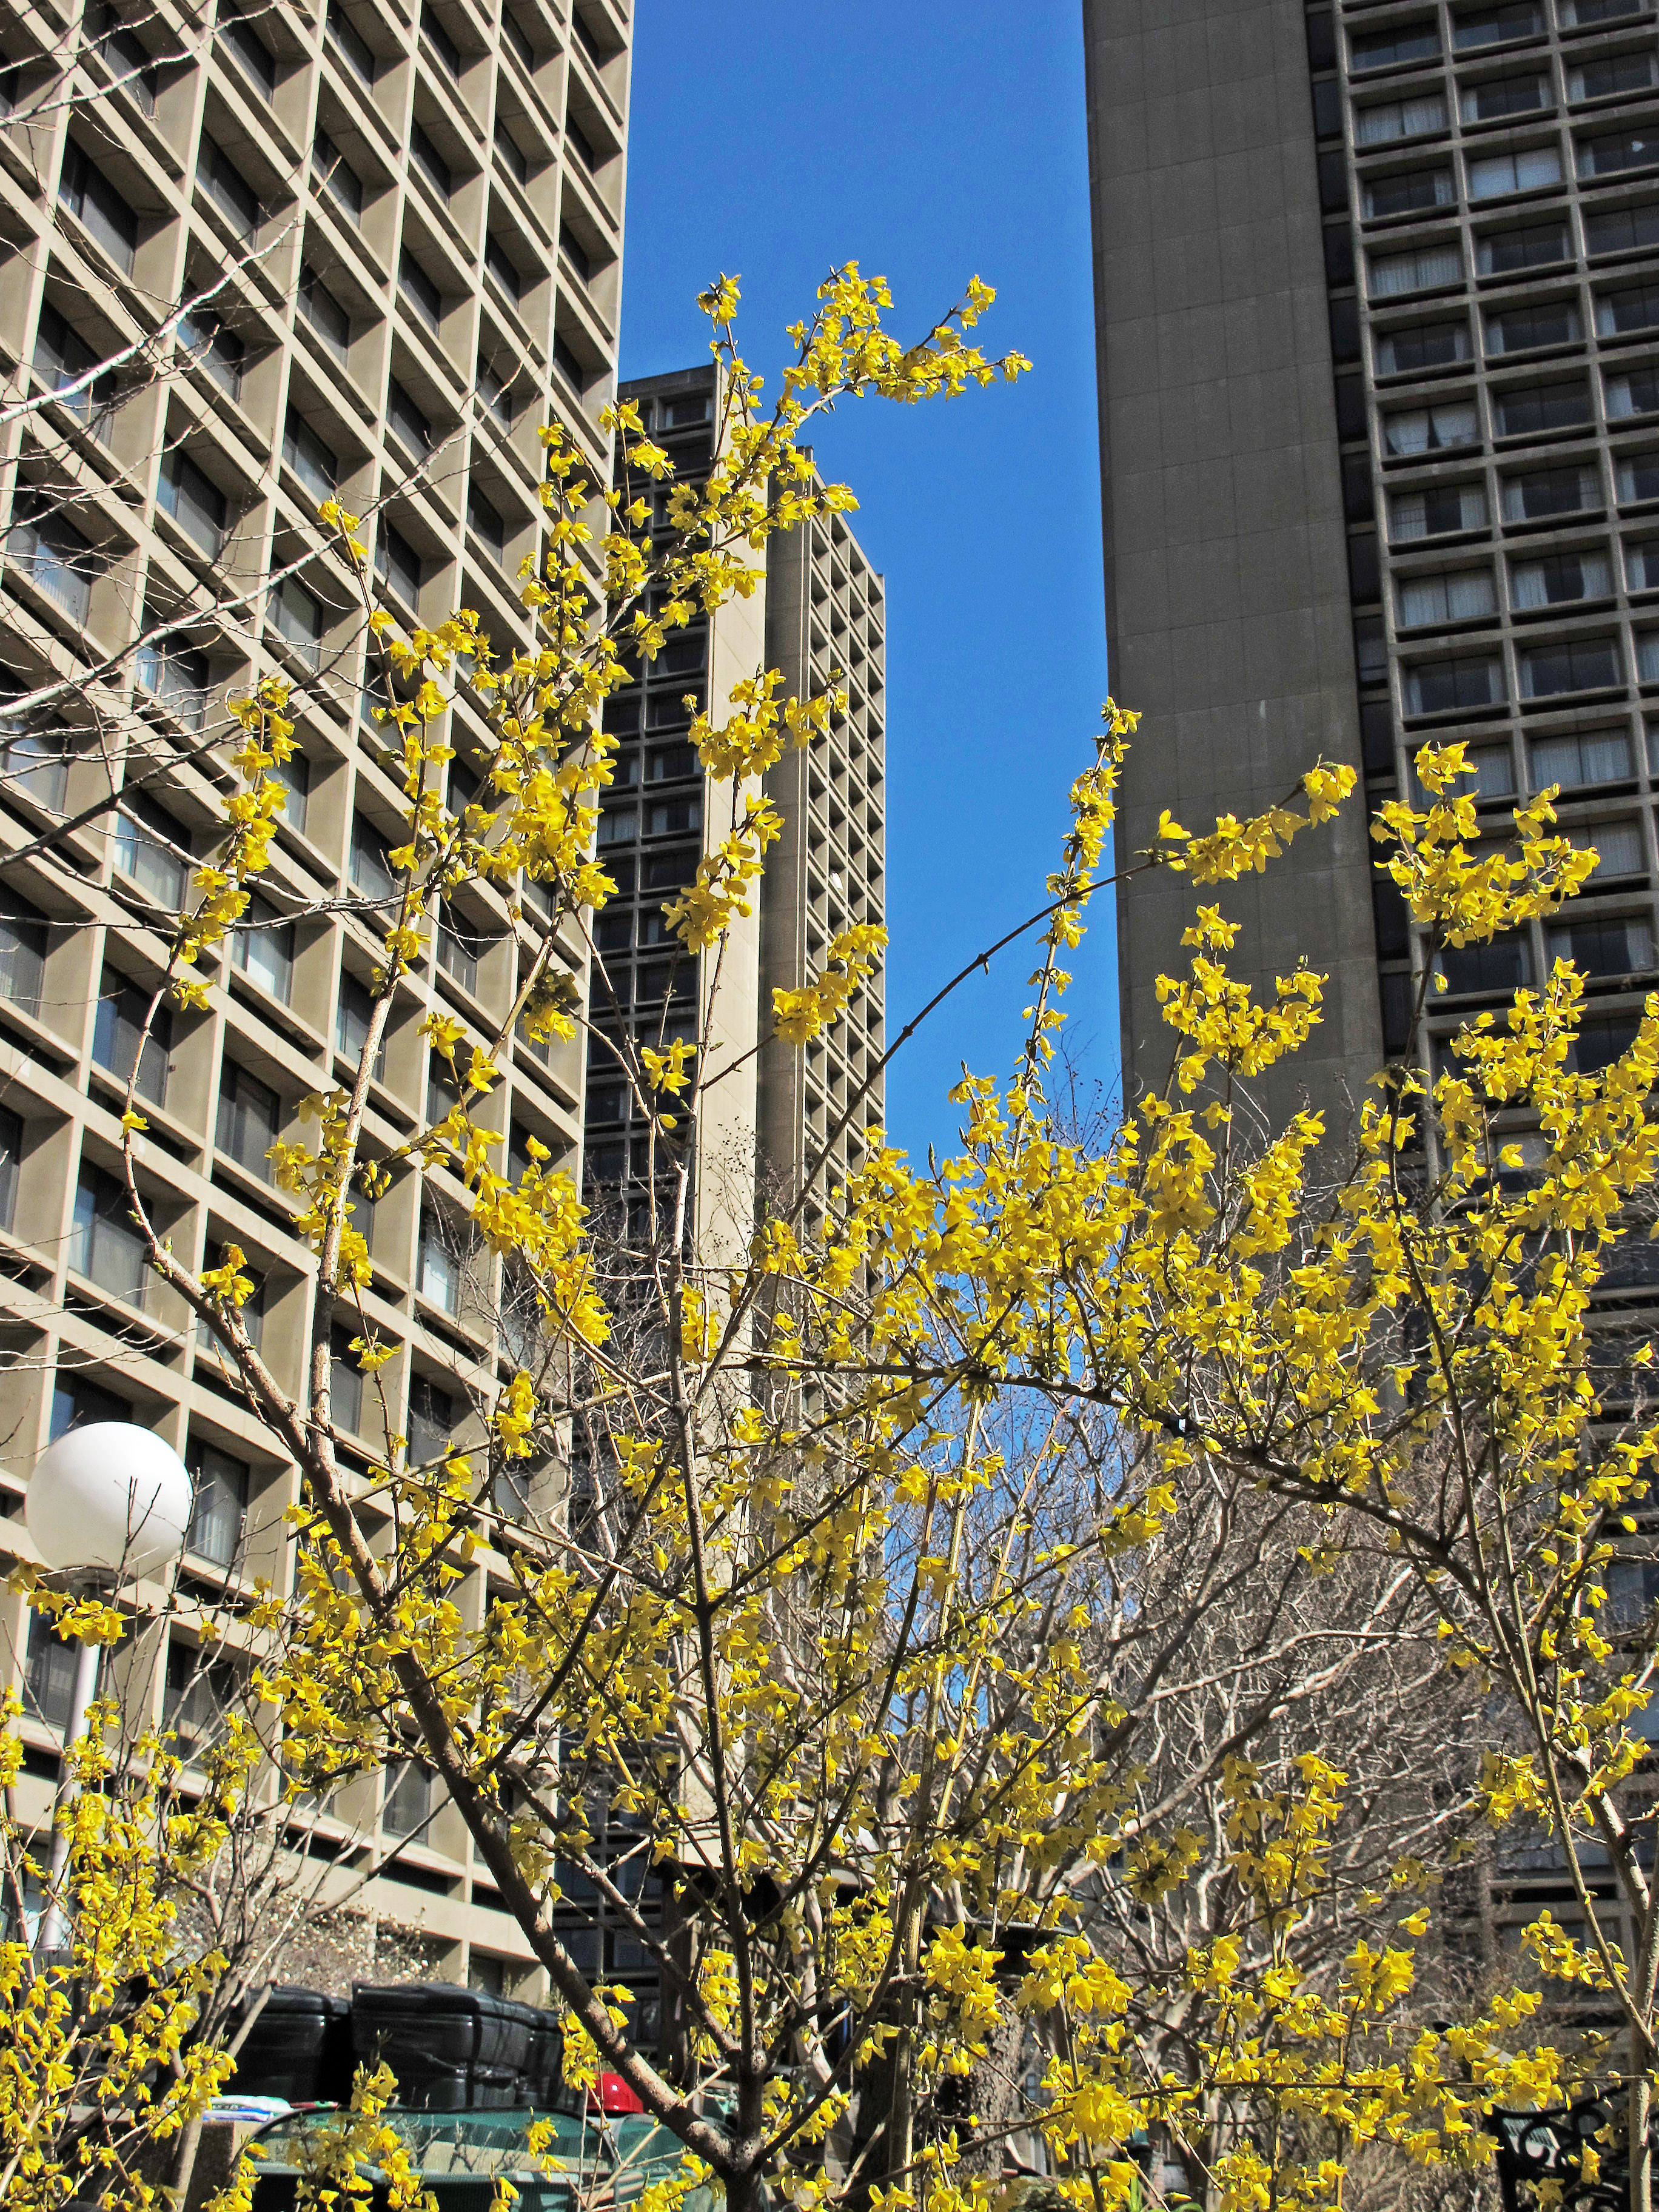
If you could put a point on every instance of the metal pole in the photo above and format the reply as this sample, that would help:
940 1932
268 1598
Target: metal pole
54 1924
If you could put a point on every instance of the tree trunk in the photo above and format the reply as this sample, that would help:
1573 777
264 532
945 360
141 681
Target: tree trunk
1641 2154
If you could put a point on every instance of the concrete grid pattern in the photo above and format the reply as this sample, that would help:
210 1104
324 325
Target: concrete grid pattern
420 211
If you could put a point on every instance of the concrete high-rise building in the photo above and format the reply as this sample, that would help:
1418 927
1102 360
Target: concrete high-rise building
820 609
408 221
1377 296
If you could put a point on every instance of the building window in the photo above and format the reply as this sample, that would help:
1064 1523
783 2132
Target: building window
1541 493
195 504
1432 513
351 1019
431 1419
213 349
420 290
407 420
310 459
1495 98
503 267
397 565
1419 269
431 162
513 155
145 837
11 1155
1588 663
129 64
1642 564
1622 230
485 520
50 1673
297 617
1617 846
220 1510
1587 757
1619 313
1493 26
440 1270
22 955
226 185
337 177
460 950
581 145
1529 410
1440 687
1408 348
295 776
1482 970
63 361
196 1696
116 1029
1609 945
1577 15
345 1379
249 1122
371 864
1639 478
1409 191
57 559
351 42
176 676
258 61
88 194
1432 429
35 763
326 315
1455 595
1389 121
80 1403
251 1313
1635 394
1611 75
1506 252
1558 580
1401 42
262 947
565 361
1543 323
408 1808
1617 150
494 395
1496 175
107 1247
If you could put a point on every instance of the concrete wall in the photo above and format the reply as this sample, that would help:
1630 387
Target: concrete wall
1225 553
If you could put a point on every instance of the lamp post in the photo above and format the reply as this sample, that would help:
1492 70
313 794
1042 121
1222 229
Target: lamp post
106 1504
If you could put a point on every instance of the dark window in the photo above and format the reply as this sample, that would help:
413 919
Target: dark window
1638 478
1438 687
577 139
460 950
1544 492
1408 191
1617 313
262 948
486 520
1491 27
495 395
1549 323
11 1154
1506 251
516 36
1526 409
1322 41
249 1120
1582 664
1332 183
86 193
227 187
1620 946
431 1412
55 556
513 156
408 1807
1503 96
51 1672
196 1696
220 1510
371 864
448 53
117 1027
344 186
345 1377
431 163
1401 42
213 348
62 359
196 503
503 267
407 420
297 617
316 467
1636 394
127 58
79 1404
1409 349
1393 923
1613 73
351 42
420 290
1622 230
252 51
351 1020
576 253
149 847
1602 1038
1606 156
1328 108
177 677
326 314
108 1248
397 564
568 365
22 952
1503 964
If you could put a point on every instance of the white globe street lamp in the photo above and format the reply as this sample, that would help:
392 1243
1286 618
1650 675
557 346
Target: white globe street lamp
106 1504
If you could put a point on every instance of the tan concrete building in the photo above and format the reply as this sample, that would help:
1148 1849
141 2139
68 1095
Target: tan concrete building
409 218
822 609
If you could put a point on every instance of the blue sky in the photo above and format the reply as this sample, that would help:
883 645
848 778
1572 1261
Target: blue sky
927 143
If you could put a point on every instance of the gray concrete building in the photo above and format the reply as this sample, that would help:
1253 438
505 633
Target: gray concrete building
1378 324
820 609
409 220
